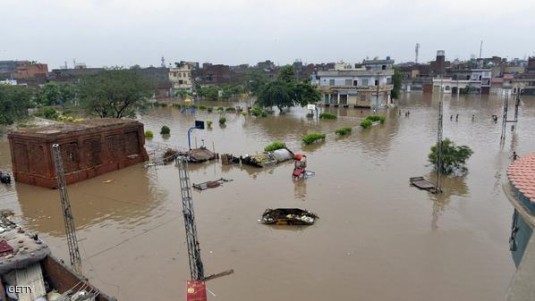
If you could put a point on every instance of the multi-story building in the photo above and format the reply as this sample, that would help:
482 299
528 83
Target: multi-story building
525 83
366 85
181 76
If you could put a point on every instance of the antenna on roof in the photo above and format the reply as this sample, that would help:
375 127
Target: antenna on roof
481 49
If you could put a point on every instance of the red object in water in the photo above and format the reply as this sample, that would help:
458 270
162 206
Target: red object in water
298 157
298 172
196 291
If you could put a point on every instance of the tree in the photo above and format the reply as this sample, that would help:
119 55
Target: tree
255 81
287 74
14 103
453 157
305 93
56 94
114 93
276 93
396 80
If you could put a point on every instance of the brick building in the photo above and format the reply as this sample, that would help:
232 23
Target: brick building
89 148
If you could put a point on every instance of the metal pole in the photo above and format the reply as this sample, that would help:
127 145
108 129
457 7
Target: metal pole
70 229
189 137
439 149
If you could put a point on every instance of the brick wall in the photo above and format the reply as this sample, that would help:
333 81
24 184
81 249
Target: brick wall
87 150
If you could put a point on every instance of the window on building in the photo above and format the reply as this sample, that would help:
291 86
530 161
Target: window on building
331 82
384 67
377 82
365 82
389 80
355 83
180 82
348 82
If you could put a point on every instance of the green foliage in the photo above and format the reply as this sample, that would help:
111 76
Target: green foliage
287 74
50 113
177 105
374 118
313 137
305 93
327 115
14 103
56 94
257 111
209 123
165 130
286 91
397 78
208 93
202 108
182 93
209 109
453 157
220 109
255 81
222 120
274 146
343 131
276 93
230 109
366 123
149 134
114 93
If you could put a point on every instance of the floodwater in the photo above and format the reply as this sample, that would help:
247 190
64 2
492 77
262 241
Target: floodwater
377 238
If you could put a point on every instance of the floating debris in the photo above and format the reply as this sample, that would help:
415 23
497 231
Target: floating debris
288 216
211 184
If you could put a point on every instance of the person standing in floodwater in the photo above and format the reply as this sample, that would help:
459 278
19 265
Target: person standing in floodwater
457 117
514 156
451 117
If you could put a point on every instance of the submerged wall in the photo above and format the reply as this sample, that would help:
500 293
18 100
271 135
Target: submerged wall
88 149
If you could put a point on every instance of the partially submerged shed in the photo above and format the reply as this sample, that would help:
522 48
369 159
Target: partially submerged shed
88 148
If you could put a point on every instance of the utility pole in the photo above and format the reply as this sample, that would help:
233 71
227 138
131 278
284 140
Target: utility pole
505 110
196 287
439 149
70 229
195 263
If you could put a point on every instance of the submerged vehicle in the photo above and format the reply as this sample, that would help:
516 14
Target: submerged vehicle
288 216
28 271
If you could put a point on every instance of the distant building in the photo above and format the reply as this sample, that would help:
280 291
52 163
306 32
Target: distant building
525 83
31 73
72 75
181 76
367 85
159 78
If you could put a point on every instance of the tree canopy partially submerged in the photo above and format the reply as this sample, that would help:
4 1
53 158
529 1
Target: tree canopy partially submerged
453 157
113 93
286 91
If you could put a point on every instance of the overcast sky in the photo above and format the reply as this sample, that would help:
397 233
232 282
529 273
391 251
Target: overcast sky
127 32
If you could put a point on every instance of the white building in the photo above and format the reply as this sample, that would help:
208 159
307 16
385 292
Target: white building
181 77
366 85
477 81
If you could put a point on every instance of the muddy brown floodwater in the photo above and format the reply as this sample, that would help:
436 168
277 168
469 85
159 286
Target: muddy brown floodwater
377 238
